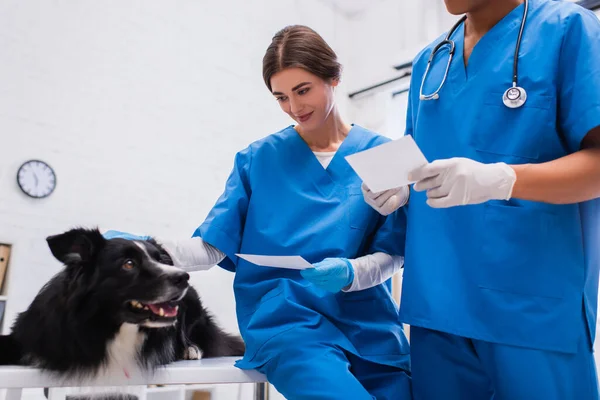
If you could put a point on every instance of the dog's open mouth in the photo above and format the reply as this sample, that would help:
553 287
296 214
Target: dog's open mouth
167 309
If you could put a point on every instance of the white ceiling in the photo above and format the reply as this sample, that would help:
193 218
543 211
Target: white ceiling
351 7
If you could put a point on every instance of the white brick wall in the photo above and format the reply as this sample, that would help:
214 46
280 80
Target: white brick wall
389 33
392 32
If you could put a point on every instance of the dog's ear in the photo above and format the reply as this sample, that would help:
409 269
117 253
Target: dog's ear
76 246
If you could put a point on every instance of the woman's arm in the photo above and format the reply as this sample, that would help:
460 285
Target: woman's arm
192 254
350 275
373 269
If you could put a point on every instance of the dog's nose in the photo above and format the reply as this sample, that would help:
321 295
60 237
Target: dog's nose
179 278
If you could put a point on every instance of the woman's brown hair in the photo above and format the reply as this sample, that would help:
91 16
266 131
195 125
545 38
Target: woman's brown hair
299 46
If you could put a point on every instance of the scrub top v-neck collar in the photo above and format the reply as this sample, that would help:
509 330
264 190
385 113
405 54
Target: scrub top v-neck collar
461 74
338 169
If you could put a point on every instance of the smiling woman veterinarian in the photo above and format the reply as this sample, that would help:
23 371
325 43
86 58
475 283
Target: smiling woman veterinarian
501 292
293 193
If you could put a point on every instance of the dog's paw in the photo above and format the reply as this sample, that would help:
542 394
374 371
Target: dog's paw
192 353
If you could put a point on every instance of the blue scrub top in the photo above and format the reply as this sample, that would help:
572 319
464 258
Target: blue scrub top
279 200
514 272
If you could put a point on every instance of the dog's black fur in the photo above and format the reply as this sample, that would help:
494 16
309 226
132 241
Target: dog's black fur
74 318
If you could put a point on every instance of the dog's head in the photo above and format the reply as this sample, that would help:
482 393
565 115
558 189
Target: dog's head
134 281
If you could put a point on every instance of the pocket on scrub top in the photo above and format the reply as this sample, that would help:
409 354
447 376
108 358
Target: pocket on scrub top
358 212
516 251
516 132
366 299
369 294
248 310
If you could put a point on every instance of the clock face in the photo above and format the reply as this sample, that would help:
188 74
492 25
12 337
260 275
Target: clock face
36 179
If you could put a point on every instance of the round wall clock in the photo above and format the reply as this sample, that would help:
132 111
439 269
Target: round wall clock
36 179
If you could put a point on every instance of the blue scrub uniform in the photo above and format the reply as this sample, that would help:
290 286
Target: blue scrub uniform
311 344
501 297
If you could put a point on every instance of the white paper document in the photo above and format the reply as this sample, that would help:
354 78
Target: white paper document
387 166
290 262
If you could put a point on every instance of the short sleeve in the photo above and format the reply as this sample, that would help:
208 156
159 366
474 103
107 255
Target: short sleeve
224 225
579 78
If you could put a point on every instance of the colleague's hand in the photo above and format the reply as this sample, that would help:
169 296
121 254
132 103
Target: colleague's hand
331 274
388 201
112 234
461 181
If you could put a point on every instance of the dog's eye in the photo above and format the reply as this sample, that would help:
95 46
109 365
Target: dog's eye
129 264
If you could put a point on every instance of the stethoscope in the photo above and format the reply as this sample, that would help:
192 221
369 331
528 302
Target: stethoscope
513 97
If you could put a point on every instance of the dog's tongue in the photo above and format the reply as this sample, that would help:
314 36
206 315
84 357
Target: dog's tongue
163 309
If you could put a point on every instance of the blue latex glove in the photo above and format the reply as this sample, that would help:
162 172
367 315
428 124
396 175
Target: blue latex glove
123 235
331 274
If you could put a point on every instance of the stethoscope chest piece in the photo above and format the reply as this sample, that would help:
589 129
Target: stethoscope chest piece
514 97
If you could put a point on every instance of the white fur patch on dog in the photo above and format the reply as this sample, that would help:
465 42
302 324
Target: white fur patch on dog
123 351
167 269
192 353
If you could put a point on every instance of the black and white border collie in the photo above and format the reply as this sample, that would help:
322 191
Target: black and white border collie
118 307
